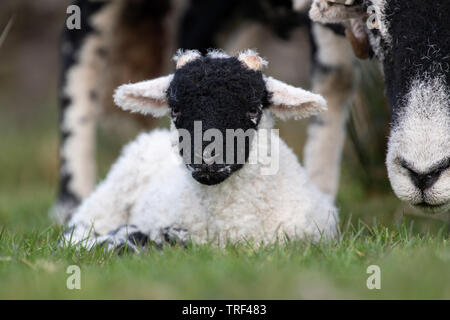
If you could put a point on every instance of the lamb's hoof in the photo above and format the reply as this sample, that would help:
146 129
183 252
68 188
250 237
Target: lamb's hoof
125 239
175 235
122 248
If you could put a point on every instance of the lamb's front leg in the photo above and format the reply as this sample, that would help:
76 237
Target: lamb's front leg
126 238
101 213
129 238
334 78
112 203
130 221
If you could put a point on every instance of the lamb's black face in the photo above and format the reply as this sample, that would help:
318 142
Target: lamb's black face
220 94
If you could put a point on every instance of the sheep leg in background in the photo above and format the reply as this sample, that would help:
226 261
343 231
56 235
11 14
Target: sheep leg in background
78 107
335 79
119 42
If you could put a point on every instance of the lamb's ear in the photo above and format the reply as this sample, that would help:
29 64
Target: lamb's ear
335 11
147 97
288 101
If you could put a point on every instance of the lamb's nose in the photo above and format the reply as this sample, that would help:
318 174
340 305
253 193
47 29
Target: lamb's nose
425 180
207 157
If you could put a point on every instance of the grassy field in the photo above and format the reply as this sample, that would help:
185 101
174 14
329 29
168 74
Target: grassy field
413 252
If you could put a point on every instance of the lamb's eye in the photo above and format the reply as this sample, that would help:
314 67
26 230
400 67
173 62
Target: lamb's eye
175 112
253 112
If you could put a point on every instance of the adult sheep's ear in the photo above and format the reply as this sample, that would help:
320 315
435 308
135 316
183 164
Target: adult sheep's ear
300 5
335 11
147 97
351 15
288 101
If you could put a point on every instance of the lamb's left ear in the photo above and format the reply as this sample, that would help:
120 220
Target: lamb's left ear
288 101
147 97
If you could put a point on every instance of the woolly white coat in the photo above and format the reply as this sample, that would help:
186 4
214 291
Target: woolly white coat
151 191
149 187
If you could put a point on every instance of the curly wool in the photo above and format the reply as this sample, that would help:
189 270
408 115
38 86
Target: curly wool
149 187
420 36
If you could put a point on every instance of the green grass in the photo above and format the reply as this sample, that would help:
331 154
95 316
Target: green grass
33 266
412 252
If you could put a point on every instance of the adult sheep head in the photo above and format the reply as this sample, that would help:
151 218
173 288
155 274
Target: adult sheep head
220 93
411 40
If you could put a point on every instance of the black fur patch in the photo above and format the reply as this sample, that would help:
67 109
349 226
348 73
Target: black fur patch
337 28
221 93
64 194
139 238
204 19
277 15
75 37
71 43
142 10
420 39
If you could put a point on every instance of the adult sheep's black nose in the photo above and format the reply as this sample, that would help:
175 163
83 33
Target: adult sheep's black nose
426 180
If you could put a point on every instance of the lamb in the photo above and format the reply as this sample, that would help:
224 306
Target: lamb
156 193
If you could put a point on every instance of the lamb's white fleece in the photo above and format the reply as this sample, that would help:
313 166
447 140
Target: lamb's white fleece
150 187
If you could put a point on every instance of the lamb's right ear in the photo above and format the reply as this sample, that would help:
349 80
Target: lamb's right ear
147 97
290 102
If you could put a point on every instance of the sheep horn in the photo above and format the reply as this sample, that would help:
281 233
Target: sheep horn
252 60
183 57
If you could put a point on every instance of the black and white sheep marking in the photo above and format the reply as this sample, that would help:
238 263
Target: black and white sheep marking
410 39
106 51
152 193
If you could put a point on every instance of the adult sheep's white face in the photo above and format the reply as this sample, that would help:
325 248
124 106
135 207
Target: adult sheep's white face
411 39
224 94
418 158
